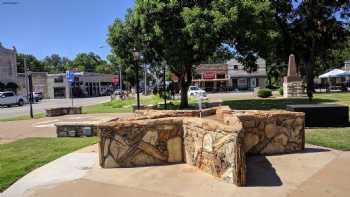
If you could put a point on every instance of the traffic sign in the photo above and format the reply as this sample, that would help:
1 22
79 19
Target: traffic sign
70 75
115 79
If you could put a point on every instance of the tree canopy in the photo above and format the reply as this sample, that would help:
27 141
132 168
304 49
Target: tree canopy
312 30
89 62
182 34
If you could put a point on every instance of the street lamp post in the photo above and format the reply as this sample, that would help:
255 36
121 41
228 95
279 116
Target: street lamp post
137 57
164 84
30 83
120 78
145 80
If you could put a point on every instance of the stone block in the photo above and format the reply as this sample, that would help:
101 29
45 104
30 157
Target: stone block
216 145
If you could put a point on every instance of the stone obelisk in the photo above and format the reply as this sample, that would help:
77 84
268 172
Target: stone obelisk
293 85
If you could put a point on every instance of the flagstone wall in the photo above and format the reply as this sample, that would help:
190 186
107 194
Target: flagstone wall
141 142
216 143
270 132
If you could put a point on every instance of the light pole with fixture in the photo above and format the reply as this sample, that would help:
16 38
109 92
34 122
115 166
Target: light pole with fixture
137 56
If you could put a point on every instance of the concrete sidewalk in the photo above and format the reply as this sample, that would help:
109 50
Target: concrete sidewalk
45 127
316 172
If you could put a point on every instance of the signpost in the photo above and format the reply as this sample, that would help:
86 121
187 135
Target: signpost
200 103
115 80
70 79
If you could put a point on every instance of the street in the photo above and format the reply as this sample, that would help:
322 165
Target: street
49 103
227 95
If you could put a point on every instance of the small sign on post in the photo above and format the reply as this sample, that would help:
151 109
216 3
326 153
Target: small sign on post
70 79
200 101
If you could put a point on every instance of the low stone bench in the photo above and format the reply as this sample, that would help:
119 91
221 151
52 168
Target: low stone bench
323 115
216 145
76 129
207 144
61 111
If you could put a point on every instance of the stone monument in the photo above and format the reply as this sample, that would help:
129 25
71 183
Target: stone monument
293 85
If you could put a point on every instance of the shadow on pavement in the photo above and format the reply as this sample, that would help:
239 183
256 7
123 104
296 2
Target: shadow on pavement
260 172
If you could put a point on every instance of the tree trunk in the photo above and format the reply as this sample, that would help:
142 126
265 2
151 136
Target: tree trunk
184 98
309 81
310 71
185 82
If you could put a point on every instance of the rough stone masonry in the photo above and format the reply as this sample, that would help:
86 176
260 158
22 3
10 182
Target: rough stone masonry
215 144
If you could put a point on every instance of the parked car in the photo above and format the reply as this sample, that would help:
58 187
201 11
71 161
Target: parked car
196 91
117 92
37 96
9 98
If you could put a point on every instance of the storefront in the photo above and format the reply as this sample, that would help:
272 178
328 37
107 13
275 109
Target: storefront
212 77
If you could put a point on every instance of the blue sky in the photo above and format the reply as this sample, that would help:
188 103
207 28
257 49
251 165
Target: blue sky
64 27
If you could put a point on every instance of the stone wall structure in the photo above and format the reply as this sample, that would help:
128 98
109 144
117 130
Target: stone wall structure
271 132
61 111
8 65
216 143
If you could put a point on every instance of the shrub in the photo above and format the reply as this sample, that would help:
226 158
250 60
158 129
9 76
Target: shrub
264 93
280 91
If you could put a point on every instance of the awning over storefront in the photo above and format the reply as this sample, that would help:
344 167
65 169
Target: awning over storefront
201 80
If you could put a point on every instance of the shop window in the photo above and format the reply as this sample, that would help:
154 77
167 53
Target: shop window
197 76
220 76
58 79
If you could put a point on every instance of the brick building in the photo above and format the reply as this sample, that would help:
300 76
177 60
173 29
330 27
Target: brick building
8 67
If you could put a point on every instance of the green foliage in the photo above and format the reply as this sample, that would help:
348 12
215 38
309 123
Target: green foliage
280 91
56 64
275 73
32 63
311 30
264 93
86 62
106 68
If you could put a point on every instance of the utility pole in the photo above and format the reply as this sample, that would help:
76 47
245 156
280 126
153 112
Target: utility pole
120 78
145 80
137 85
164 84
30 81
26 76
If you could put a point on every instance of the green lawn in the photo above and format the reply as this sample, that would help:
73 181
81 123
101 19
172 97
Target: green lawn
22 156
337 138
120 106
24 117
254 103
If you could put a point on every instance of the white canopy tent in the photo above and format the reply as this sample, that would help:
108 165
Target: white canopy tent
344 74
333 73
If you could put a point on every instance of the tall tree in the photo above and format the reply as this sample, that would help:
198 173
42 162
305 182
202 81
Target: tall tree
310 29
33 64
180 33
87 62
55 63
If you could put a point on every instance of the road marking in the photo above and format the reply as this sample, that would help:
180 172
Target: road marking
49 123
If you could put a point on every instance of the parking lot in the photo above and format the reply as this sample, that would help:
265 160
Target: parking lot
6 112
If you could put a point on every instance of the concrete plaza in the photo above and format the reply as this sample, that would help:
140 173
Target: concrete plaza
317 172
